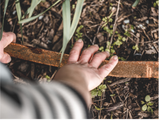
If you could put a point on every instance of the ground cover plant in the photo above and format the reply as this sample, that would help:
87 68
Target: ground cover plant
116 26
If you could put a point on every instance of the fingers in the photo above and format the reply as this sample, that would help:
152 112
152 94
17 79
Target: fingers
98 58
5 58
87 53
75 52
106 69
7 38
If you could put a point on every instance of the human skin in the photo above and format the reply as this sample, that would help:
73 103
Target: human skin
7 38
82 71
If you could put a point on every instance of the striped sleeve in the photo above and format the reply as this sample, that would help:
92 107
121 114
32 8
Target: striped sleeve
46 101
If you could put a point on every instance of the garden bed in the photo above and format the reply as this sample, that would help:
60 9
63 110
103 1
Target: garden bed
135 39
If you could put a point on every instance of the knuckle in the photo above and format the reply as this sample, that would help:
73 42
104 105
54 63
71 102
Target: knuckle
73 51
98 55
86 52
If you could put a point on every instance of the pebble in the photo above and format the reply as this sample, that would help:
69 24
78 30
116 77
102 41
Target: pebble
40 17
132 31
126 21
147 21
14 12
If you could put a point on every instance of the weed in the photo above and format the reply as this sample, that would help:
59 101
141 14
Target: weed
156 3
121 58
112 95
79 35
48 78
98 91
127 33
73 6
147 104
135 47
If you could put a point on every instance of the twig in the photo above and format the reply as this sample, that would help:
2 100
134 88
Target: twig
94 39
111 92
53 74
89 39
115 24
99 116
120 81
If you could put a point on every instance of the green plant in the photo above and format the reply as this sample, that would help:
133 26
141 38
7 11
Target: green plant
68 28
5 8
135 3
135 47
127 33
156 3
48 78
121 58
78 33
147 104
98 91
29 12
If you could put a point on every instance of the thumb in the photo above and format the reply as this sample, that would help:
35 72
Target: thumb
5 58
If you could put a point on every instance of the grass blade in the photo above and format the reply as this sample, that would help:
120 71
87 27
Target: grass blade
66 25
32 7
30 10
18 9
5 8
76 17
34 17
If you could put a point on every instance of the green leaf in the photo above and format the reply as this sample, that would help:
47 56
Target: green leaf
66 25
68 30
151 110
150 103
34 3
97 108
142 102
144 107
102 87
18 9
113 51
99 93
47 77
148 108
147 98
123 39
34 17
94 93
135 3
5 8
112 95
76 17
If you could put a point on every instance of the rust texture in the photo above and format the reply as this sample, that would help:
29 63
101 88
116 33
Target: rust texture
132 69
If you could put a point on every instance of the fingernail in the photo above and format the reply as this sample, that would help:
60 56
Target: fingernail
79 40
115 57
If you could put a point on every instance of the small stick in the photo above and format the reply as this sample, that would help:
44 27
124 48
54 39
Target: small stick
115 24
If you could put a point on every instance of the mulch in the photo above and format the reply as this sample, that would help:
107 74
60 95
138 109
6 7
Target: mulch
123 96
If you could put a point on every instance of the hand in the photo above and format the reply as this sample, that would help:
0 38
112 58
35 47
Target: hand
7 38
85 67
82 72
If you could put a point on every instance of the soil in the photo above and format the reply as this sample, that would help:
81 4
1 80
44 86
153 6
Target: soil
123 96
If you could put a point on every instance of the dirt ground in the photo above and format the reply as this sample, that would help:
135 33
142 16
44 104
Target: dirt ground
132 33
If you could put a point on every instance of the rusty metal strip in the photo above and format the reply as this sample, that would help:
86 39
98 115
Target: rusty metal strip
132 69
